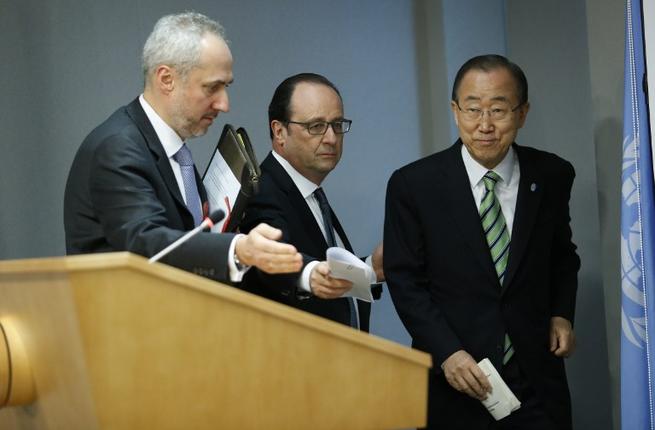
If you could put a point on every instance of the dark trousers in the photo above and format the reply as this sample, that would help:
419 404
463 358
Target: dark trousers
531 415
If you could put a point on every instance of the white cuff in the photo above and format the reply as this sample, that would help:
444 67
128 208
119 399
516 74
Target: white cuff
303 281
236 273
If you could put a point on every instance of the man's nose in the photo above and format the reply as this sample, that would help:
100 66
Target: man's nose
486 124
221 102
330 136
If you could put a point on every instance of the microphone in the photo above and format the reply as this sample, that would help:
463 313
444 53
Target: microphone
208 222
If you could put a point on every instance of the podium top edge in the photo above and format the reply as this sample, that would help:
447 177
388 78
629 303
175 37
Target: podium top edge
124 260
69 263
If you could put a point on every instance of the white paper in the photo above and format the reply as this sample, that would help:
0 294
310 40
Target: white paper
345 265
222 188
501 401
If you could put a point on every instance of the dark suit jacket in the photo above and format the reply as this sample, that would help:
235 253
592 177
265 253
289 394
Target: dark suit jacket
446 290
121 195
280 204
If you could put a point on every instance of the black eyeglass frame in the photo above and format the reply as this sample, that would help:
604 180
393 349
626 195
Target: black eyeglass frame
482 111
344 122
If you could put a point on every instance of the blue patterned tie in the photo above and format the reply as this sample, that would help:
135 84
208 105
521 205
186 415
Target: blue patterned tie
185 160
331 241
495 230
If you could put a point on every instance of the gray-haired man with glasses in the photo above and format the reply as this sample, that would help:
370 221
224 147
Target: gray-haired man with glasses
307 127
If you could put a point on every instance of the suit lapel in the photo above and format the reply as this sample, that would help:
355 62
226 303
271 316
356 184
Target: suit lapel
458 201
309 225
135 111
527 208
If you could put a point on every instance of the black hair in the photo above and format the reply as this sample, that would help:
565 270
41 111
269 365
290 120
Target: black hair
490 62
279 107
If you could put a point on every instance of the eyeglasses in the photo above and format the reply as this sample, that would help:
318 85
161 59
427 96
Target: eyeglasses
495 114
319 128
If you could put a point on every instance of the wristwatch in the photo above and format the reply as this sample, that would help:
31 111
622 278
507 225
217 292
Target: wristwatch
240 266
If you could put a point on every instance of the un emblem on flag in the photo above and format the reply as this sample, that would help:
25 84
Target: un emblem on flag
633 322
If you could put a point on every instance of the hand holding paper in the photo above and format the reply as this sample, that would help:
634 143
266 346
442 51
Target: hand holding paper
326 286
501 401
346 265
464 375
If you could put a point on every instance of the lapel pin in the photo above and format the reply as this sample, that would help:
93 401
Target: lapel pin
533 187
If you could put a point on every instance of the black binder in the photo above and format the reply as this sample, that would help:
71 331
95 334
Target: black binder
235 148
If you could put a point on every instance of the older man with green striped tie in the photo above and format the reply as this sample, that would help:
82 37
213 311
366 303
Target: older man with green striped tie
479 259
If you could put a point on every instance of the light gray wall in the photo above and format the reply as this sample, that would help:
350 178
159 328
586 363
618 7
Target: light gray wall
435 116
606 38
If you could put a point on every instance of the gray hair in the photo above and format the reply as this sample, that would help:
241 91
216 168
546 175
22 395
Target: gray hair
175 42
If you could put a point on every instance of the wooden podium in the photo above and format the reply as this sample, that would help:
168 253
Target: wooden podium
108 341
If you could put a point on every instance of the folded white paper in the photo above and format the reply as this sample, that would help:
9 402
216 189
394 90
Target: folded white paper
501 401
345 265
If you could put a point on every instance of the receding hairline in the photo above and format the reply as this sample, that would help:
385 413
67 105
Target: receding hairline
313 84
204 44
204 47
176 41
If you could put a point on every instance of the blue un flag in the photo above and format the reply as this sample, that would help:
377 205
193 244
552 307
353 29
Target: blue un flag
637 241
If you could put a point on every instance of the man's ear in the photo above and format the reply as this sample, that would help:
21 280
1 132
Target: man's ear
279 133
164 78
454 109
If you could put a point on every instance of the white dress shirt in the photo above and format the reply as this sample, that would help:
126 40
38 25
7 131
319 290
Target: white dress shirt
172 143
307 188
507 187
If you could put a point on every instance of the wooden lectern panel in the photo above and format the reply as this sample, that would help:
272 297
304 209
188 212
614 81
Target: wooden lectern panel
116 343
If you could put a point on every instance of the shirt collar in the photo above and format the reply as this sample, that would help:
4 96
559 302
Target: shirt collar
169 139
304 185
476 171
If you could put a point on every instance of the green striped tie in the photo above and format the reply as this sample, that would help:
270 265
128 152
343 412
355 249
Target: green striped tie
495 229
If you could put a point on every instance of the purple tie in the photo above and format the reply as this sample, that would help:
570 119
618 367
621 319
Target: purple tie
185 160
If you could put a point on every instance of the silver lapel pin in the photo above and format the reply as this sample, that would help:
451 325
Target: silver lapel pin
533 187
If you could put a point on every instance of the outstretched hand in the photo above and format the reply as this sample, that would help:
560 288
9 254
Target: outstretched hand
260 248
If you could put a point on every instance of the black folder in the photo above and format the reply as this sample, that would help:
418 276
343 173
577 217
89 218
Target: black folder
234 150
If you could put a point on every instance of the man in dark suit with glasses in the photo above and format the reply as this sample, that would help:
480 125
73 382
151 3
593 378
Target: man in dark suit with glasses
479 258
307 126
